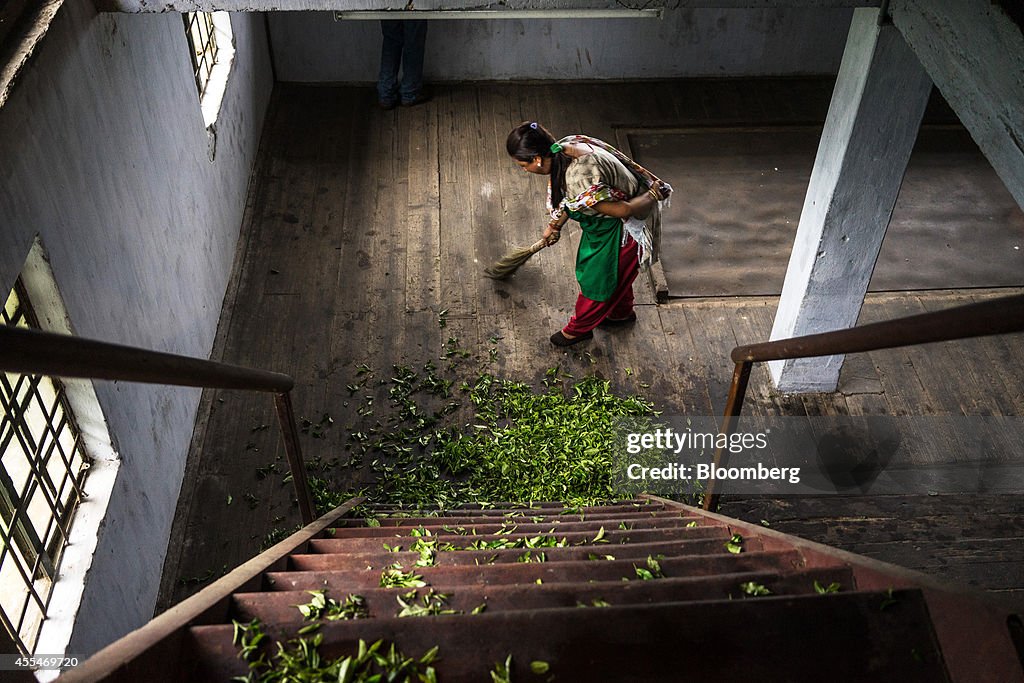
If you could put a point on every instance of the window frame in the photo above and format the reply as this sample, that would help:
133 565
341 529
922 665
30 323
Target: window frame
36 553
212 61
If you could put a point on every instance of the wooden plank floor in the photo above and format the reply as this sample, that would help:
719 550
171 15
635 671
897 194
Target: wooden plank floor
363 226
745 188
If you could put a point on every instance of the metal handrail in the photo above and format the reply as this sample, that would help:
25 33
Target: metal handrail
998 316
58 355
157 645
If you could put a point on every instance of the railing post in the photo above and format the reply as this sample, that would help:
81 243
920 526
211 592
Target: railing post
733 406
290 434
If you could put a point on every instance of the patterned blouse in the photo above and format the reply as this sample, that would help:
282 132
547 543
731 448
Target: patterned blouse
607 174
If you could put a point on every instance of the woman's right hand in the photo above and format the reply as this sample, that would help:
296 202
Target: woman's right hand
551 234
553 231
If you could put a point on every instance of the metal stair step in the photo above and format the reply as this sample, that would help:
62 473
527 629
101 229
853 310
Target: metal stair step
842 638
281 607
613 536
674 548
509 505
469 519
513 510
462 527
526 573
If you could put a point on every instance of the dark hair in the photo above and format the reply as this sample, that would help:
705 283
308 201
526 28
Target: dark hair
530 139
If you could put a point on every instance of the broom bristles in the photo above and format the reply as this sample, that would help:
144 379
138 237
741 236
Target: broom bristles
510 262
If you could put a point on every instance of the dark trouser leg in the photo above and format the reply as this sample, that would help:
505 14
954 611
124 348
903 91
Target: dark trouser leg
590 313
390 60
412 59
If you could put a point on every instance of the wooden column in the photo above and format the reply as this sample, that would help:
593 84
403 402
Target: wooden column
872 123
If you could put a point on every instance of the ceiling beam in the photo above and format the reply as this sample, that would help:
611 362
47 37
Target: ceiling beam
974 52
508 8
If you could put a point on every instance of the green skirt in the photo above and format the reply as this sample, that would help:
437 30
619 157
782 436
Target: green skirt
597 261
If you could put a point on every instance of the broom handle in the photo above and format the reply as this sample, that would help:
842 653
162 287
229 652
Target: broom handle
538 245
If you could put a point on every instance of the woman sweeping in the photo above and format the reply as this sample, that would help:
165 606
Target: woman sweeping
617 204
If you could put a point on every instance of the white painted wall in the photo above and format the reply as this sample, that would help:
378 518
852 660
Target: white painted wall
312 47
103 152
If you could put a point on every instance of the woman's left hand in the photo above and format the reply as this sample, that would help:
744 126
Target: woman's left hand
637 207
663 189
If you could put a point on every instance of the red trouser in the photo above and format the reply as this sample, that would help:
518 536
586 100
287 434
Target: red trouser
620 305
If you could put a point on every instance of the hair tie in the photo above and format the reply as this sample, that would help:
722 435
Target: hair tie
534 125
555 148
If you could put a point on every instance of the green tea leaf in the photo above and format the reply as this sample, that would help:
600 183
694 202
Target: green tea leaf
735 544
754 589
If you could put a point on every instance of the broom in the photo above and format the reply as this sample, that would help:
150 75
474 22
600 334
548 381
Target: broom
511 261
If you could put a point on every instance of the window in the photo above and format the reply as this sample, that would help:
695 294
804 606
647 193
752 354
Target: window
41 480
202 38
52 434
212 52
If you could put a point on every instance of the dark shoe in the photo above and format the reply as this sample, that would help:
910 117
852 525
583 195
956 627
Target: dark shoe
609 324
419 99
387 105
559 339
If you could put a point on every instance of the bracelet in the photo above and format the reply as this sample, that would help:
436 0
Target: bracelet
654 193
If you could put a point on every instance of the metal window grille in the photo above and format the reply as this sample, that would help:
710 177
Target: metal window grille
202 40
44 467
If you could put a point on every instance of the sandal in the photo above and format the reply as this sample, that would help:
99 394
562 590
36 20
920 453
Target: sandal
608 323
559 339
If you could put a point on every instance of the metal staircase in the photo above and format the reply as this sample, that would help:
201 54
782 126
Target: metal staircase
642 590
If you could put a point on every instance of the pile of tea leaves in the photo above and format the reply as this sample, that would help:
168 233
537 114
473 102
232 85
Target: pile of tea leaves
438 440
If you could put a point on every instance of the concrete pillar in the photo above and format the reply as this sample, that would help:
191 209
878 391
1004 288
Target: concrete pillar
879 99
974 52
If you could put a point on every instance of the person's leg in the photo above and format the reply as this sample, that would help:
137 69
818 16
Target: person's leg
590 313
622 300
415 34
390 60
